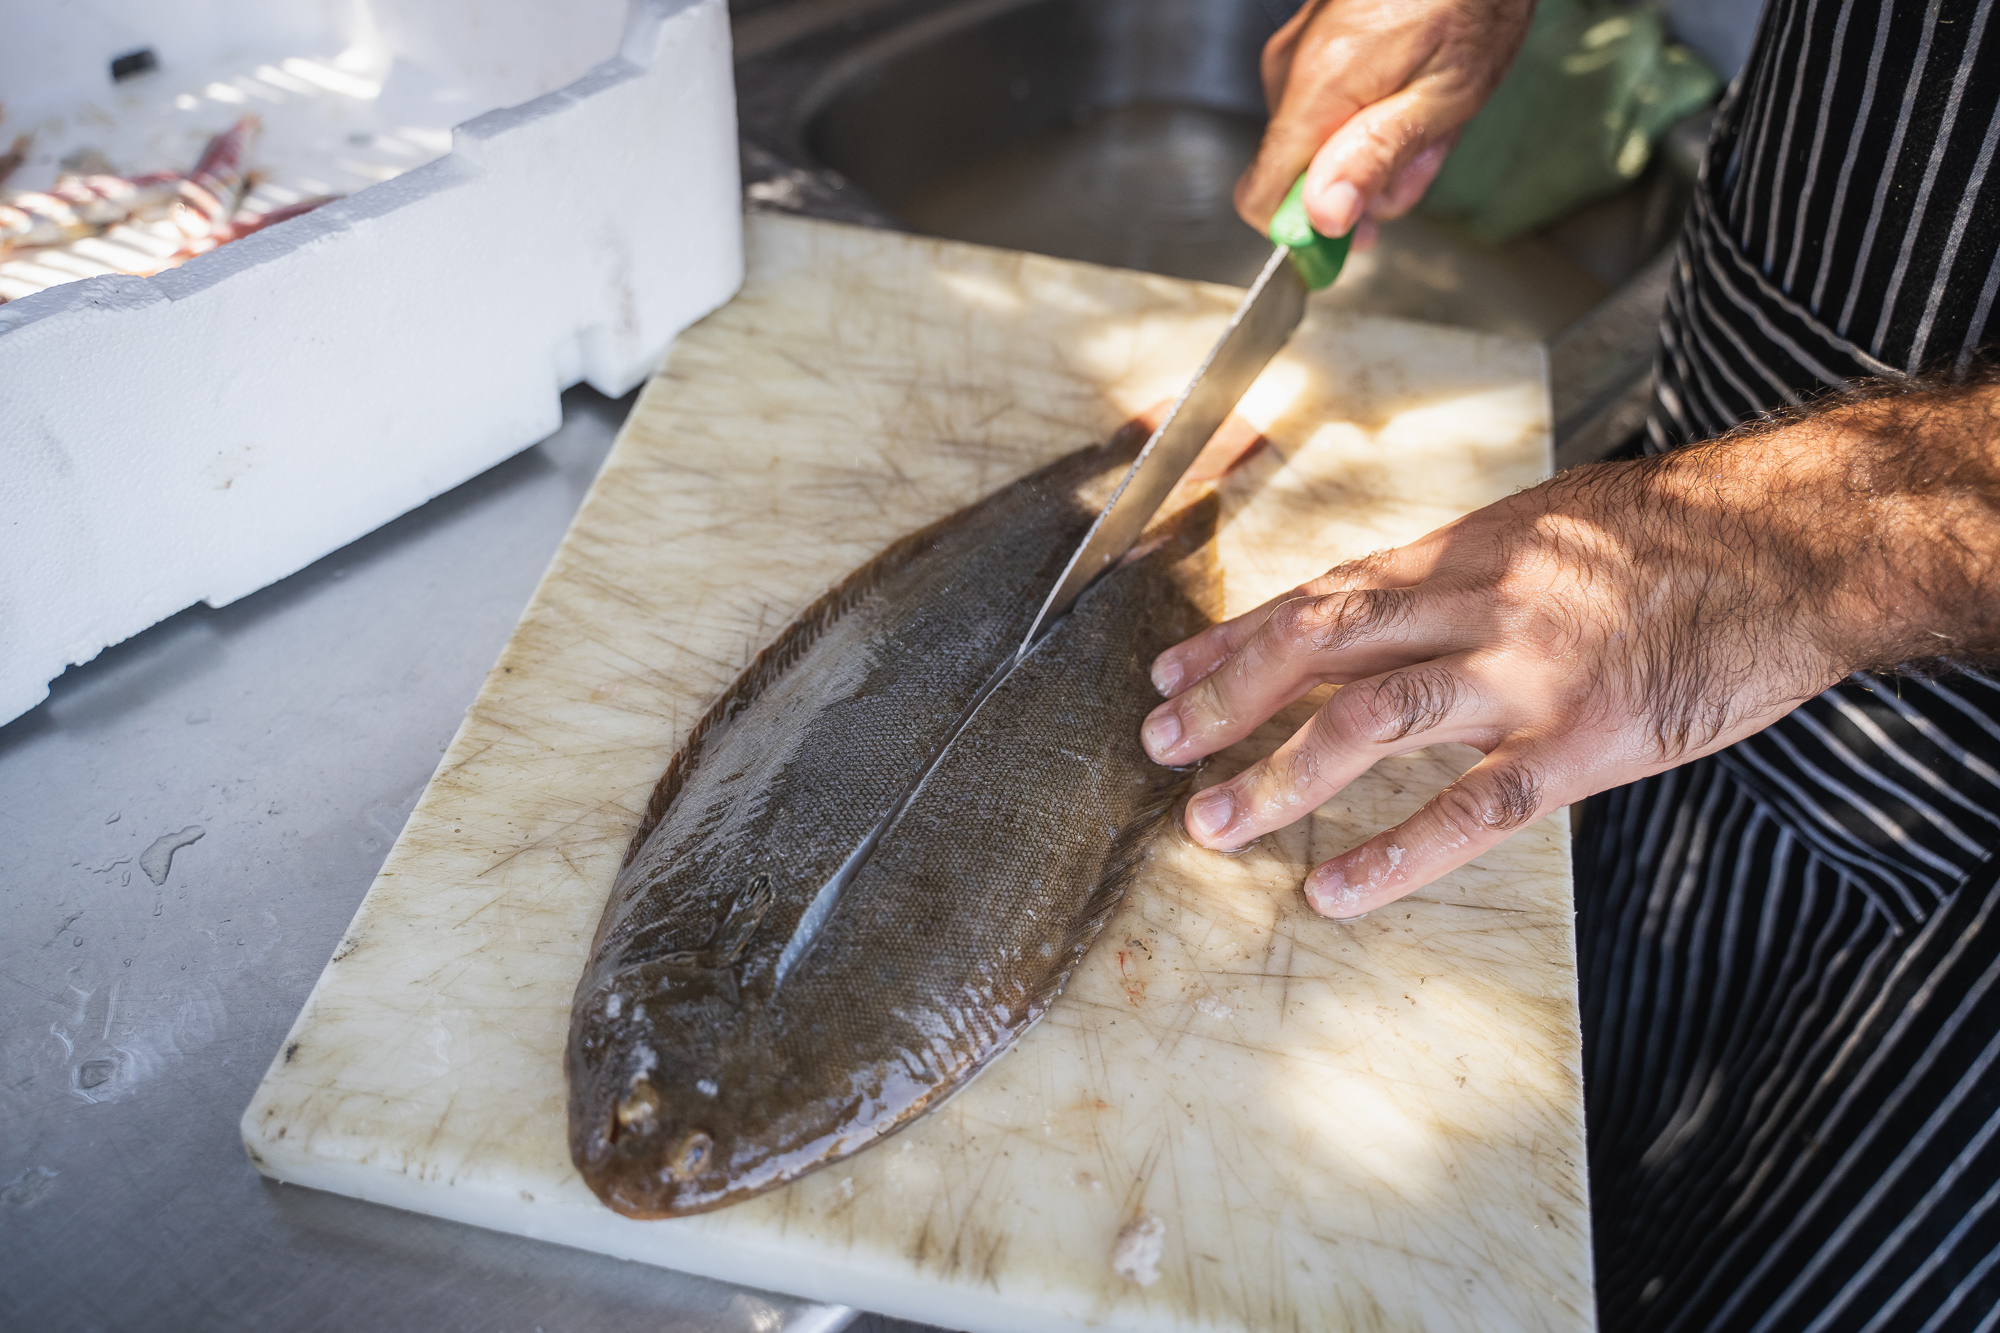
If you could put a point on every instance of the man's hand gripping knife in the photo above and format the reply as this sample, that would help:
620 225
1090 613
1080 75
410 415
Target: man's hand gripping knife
1613 622
1367 97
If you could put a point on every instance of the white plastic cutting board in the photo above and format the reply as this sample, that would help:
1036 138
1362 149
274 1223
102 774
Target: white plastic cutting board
1367 1126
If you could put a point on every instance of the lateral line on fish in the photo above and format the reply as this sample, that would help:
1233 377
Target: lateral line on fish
820 910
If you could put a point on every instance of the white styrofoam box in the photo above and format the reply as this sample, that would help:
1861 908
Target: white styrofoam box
194 436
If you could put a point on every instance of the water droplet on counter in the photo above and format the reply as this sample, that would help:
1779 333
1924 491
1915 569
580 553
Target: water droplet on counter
29 1188
95 1073
113 817
198 716
158 860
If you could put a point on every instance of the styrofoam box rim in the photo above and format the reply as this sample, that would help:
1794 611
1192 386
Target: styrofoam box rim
197 435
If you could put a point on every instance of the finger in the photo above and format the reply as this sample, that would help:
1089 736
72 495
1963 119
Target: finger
1362 160
1410 184
1403 710
1304 643
1467 819
1274 66
1364 236
1283 155
1190 661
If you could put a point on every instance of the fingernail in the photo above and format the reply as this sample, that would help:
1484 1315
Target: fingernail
1339 209
1166 677
1209 812
1332 896
1162 729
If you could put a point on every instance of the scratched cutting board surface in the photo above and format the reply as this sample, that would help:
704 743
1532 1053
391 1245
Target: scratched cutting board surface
1374 1125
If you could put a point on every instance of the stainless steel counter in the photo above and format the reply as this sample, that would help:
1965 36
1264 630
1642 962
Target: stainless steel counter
284 739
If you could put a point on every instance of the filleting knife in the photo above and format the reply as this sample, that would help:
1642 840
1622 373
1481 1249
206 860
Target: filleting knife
1302 261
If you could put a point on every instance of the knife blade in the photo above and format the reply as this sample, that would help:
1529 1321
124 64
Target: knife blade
1302 261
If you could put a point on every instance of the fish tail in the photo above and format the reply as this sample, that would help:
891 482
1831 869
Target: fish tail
209 194
220 167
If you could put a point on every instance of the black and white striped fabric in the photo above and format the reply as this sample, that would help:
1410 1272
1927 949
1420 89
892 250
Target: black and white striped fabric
1790 950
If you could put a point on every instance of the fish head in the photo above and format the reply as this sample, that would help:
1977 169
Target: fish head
645 1123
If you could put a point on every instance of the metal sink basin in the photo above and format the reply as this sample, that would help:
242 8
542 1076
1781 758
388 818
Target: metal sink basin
1103 130
1113 131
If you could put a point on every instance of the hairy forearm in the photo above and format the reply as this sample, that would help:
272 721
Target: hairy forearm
1873 525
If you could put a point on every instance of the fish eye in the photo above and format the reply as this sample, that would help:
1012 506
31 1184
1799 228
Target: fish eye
690 1155
639 1107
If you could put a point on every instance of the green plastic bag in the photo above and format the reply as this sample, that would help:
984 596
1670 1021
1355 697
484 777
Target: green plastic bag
1595 86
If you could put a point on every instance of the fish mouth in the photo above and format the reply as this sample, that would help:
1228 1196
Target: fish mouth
645 1200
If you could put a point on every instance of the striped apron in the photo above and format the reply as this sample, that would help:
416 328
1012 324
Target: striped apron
1790 950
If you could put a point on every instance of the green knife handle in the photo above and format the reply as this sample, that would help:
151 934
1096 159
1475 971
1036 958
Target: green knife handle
1317 258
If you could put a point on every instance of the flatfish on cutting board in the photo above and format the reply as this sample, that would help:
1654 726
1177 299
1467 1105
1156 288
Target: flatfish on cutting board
877 859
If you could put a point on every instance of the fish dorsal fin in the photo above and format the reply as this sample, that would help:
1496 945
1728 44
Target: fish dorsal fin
731 936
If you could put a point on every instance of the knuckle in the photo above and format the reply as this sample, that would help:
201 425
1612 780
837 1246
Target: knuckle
1406 702
1516 796
1497 802
1296 623
1352 713
1332 621
1366 613
1383 140
1365 571
1204 705
1301 765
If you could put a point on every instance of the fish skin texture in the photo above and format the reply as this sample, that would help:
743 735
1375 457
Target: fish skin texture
697 1077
